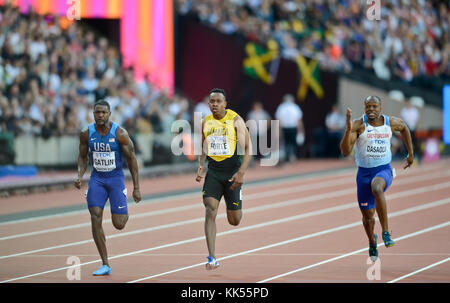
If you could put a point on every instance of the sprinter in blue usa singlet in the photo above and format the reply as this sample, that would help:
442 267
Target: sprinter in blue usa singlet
106 144
107 178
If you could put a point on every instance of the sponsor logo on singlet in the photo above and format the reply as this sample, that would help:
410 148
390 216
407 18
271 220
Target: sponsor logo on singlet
104 159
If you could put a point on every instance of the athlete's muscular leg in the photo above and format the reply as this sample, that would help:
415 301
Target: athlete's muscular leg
211 207
233 200
97 232
119 220
378 185
368 219
234 216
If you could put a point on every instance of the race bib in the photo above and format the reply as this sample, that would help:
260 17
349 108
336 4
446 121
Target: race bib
378 143
218 146
104 161
376 151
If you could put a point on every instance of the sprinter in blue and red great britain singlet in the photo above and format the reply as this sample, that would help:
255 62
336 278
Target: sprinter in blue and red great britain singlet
372 134
105 143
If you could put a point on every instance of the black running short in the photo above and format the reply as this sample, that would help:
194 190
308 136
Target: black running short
217 185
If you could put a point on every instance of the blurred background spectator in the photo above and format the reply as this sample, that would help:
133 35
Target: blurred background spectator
202 107
411 115
51 75
291 124
261 119
411 41
335 123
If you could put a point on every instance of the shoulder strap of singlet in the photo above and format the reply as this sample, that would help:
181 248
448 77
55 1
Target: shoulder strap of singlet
208 117
365 120
232 114
91 128
386 120
114 127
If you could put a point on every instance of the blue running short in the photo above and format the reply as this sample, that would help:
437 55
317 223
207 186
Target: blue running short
364 177
100 189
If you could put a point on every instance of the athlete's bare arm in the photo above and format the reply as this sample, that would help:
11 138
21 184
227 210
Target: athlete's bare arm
82 157
127 148
243 140
201 158
352 131
397 124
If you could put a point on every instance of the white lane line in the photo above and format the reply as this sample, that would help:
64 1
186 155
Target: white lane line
337 174
308 237
398 213
355 252
202 254
419 270
181 223
268 193
137 252
248 197
250 210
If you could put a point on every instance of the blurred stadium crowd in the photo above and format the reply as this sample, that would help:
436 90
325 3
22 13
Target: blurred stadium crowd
410 42
52 72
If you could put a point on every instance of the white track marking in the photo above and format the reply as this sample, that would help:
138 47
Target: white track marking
338 173
402 212
250 210
295 240
171 197
419 270
355 252
134 253
247 198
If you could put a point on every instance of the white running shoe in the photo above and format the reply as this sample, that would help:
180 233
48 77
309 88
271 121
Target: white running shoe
212 263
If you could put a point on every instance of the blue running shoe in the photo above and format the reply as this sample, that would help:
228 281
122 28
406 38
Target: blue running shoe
212 263
102 271
373 251
388 242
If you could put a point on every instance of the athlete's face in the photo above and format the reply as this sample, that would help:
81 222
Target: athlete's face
101 115
217 103
373 109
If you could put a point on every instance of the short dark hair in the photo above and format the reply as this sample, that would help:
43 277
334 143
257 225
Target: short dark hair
102 102
372 98
218 90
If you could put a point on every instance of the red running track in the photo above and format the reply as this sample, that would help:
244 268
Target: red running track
305 228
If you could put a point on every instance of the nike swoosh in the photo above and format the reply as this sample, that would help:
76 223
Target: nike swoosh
93 139
121 207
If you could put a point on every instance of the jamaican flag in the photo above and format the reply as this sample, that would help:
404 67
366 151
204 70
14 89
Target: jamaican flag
262 63
309 77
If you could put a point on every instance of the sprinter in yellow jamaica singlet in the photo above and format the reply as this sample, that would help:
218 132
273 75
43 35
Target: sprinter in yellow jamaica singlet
224 139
